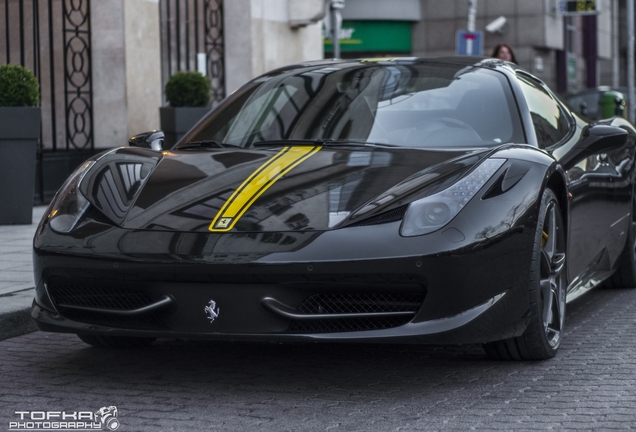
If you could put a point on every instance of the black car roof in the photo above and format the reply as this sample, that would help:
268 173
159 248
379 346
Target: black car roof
487 62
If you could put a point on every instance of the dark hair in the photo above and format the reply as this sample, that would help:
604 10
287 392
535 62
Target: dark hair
495 52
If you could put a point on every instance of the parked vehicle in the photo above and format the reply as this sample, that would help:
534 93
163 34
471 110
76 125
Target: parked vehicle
448 200
599 103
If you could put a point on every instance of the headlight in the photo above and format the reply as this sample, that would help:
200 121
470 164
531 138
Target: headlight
433 212
69 204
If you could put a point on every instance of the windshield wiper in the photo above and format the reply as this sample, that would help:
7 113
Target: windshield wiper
294 142
359 142
203 144
319 142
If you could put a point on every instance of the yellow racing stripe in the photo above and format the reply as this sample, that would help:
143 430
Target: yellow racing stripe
257 183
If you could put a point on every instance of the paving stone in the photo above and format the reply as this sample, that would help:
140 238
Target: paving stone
199 385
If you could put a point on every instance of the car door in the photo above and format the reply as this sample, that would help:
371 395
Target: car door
599 184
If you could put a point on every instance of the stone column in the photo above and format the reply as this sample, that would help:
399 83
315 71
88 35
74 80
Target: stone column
110 113
143 64
237 33
126 69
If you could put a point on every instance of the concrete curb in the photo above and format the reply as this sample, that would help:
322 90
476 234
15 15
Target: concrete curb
15 318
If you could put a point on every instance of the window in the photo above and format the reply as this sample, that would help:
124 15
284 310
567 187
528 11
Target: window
551 123
409 104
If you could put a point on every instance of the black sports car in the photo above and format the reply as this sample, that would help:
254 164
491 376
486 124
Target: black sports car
449 200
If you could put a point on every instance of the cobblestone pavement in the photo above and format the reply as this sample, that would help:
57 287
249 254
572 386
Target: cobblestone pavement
180 385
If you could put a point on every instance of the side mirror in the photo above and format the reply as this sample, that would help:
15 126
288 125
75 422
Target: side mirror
153 140
595 139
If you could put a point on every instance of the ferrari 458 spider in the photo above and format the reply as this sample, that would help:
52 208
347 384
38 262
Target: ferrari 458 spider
449 200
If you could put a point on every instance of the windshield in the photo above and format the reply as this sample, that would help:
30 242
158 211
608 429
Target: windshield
409 105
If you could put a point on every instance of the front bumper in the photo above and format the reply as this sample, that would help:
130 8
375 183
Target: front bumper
425 289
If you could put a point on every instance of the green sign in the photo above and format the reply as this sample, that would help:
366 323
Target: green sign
373 36
571 69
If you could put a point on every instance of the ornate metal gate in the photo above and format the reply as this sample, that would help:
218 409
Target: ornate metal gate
78 89
53 39
190 28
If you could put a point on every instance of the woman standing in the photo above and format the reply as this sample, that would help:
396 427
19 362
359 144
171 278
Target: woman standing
504 52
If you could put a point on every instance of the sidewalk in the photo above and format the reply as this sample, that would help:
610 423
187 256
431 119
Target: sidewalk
16 276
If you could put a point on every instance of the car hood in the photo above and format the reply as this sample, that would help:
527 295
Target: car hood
293 188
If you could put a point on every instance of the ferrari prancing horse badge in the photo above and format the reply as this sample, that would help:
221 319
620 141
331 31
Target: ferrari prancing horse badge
212 311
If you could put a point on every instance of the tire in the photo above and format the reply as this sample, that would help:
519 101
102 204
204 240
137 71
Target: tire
625 275
546 290
116 341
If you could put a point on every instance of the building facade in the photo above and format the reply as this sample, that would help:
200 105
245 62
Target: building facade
118 54
102 64
568 53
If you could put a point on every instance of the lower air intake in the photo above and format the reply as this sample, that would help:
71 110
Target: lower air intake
340 303
98 297
87 295
356 303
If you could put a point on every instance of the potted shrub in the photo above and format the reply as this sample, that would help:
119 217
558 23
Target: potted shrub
188 94
19 134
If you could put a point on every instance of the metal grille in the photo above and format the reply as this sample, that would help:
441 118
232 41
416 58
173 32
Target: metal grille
52 38
97 297
340 303
361 303
190 28
65 293
78 89
349 324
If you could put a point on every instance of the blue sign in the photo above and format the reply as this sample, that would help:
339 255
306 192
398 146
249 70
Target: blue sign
469 43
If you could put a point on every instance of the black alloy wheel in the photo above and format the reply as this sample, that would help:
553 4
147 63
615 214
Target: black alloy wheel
547 287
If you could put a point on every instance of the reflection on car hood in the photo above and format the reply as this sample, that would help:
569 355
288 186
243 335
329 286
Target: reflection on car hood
294 188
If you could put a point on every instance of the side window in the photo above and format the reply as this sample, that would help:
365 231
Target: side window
550 121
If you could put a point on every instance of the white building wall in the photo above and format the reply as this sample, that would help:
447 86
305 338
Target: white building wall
259 37
398 10
607 69
604 30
